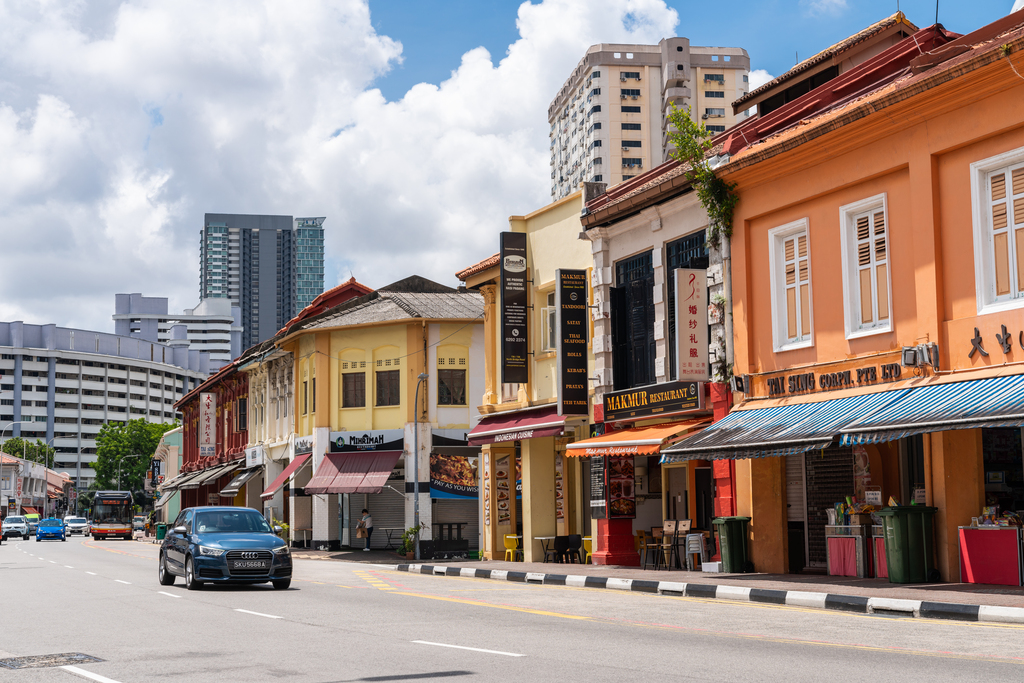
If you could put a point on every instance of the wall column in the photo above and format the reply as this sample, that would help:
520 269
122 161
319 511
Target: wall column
538 495
761 495
491 343
957 487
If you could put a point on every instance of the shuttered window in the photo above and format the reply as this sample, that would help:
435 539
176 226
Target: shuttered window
866 279
1006 225
791 282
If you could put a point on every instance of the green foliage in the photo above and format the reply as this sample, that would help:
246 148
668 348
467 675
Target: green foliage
118 440
35 452
284 528
693 144
409 539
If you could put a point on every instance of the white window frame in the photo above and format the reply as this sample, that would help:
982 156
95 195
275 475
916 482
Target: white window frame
549 335
776 271
851 293
984 248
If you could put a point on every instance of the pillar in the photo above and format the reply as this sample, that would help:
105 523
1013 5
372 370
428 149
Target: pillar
957 489
761 495
538 495
325 522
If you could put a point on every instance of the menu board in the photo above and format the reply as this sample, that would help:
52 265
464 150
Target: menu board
621 496
559 495
502 490
514 318
571 314
598 490
487 489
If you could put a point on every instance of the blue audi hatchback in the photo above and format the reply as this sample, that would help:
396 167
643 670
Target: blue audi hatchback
224 545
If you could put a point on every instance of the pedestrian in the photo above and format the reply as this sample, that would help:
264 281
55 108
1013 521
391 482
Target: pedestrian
365 528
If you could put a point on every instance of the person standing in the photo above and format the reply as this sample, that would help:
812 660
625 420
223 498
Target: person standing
366 523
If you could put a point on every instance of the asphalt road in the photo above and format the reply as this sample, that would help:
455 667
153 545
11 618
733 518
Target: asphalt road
351 622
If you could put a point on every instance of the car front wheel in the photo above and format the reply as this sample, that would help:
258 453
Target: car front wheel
282 584
190 576
166 578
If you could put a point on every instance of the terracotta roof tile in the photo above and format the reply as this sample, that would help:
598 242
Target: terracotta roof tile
478 267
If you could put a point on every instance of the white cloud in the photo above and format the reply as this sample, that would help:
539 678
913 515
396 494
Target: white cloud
150 114
758 77
823 7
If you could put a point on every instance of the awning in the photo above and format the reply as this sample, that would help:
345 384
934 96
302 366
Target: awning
236 484
185 481
518 425
635 441
165 498
210 475
288 473
53 491
177 479
780 430
364 472
26 510
992 402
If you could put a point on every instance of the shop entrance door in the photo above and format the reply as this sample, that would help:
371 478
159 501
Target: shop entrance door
796 512
829 479
704 491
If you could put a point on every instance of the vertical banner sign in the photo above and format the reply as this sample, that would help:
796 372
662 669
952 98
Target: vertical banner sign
692 325
514 348
571 321
207 425
598 488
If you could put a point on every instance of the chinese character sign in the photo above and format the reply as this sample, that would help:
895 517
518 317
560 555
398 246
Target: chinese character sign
691 325
207 425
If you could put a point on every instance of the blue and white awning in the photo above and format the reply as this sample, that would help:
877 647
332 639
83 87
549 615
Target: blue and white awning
993 402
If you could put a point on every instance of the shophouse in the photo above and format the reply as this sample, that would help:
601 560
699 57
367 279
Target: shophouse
378 378
536 389
878 296
168 455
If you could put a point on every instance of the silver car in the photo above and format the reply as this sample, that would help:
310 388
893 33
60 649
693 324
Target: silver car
77 525
15 526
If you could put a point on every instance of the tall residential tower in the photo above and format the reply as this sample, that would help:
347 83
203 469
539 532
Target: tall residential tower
608 122
269 266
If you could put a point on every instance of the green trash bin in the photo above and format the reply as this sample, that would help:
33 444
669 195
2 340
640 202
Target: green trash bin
732 540
909 543
161 531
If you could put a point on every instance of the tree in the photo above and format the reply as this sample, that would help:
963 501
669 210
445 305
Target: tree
35 452
118 440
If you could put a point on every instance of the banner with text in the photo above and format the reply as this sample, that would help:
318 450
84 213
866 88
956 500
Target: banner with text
691 325
571 322
207 424
514 347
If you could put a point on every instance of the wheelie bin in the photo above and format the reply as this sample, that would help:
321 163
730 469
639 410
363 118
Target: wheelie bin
909 543
732 540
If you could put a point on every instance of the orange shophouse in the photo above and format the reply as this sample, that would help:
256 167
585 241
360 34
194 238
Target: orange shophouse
878 297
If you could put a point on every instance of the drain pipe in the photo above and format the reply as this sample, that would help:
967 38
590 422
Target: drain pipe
727 290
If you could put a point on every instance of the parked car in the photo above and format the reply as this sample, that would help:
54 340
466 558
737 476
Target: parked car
139 523
15 525
223 545
77 525
50 527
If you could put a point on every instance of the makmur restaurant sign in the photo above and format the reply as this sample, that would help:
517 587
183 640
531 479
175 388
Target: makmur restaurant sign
656 400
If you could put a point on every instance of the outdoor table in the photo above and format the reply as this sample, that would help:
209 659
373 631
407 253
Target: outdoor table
305 543
389 531
544 540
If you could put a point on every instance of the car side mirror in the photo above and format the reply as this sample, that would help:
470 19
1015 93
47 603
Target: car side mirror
277 529
180 530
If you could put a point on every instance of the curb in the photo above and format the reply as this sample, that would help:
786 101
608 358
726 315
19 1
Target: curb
844 603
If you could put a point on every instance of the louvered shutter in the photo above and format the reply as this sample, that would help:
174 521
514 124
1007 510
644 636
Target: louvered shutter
872 279
797 284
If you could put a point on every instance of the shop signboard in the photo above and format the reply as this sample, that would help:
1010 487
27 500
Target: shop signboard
254 456
691 325
571 345
514 312
303 445
371 440
454 476
598 488
207 424
656 400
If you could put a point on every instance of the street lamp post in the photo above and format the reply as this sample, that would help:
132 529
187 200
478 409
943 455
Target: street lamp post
119 461
416 462
2 432
46 467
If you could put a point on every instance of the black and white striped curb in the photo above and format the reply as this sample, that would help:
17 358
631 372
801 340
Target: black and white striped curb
844 603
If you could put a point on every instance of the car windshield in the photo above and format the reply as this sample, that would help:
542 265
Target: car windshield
51 522
15 520
230 521
76 520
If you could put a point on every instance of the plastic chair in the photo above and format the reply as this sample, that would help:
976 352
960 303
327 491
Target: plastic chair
513 552
588 554
558 550
653 550
641 545
695 546
575 543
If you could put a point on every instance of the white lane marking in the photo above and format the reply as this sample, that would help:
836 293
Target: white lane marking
52 562
473 649
124 582
259 614
170 595
68 566
88 674
91 573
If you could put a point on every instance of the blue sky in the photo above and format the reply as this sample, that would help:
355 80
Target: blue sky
435 34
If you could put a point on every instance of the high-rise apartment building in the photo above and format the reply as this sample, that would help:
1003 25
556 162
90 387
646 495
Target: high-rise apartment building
609 121
269 266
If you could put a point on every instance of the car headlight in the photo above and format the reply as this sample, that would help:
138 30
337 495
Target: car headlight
283 550
211 552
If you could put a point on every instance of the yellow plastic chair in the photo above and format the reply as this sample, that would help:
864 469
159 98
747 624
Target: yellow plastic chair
512 550
587 546
641 545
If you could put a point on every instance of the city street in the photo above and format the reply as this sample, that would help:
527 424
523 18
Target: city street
352 622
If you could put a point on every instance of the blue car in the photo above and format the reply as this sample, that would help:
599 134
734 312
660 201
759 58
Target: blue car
223 545
50 528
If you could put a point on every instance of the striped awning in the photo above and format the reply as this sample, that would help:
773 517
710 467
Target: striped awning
779 430
992 402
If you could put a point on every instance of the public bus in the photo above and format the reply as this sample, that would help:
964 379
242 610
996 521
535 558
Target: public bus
112 515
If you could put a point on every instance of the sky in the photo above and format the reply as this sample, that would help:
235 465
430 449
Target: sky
416 128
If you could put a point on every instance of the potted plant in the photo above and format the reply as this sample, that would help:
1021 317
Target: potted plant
408 547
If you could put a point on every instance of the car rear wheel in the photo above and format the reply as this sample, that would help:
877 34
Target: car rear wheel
37 539
24 538
190 576
166 578
282 584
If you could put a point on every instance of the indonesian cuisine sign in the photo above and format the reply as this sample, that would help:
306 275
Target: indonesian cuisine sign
571 314
207 424
656 400
691 325
514 312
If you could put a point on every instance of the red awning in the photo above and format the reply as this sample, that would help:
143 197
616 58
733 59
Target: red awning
518 425
288 473
365 472
27 510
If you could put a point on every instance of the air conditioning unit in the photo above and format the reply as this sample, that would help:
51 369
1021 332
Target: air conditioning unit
622 78
623 96
636 97
638 78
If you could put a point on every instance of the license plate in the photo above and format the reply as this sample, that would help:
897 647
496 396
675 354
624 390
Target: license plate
249 564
